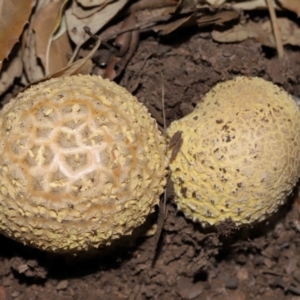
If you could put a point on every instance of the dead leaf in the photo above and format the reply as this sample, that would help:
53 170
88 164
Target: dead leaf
152 16
85 13
12 68
152 4
95 22
60 48
218 18
45 23
41 3
14 14
175 144
78 67
216 3
32 67
293 5
117 64
237 33
123 41
169 27
244 4
90 3
59 17
290 33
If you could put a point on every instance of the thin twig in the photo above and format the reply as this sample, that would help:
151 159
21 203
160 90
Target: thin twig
142 27
87 30
163 204
165 126
276 32
163 101
270 272
75 52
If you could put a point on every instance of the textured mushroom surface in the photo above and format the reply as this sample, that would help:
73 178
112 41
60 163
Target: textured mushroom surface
81 163
240 155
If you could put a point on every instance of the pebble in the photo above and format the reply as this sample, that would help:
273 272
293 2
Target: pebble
231 283
15 294
242 274
62 285
187 289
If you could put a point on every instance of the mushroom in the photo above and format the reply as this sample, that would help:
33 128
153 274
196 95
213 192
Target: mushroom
240 153
81 164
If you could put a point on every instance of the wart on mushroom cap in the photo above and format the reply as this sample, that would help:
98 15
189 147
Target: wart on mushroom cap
81 163
240 153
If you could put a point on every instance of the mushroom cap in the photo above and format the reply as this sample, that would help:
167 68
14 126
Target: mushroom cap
81 164
240 153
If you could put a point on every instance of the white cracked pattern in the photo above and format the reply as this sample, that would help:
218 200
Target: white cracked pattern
81 163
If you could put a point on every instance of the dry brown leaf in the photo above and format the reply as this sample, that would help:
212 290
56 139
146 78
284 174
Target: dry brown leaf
91 3
88 11
95 22
237 33
290 33
33 66
218 18
215 3
14 14
293 5
151 16
85 13
244 5
43 24
153 4
40 4
166 28
77 67
12 68
59 16
169 27
33 69
81 66
59 51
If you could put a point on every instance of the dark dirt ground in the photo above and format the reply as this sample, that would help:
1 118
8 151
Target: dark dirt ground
253 263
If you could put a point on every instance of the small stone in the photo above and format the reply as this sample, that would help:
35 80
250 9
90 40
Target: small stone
187 289
15 294
62 285
241 259
231 283
242 274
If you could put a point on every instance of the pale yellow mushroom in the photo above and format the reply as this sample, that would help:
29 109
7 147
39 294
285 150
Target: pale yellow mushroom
81 164
240 153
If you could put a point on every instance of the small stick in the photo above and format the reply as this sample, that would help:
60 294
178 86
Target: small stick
75 52
276 32
87 30
165 130
163 204
163 101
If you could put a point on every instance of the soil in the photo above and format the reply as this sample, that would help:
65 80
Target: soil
260 262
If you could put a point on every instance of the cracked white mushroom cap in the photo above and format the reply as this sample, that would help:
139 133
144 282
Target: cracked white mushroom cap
81 164
240 153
